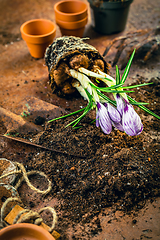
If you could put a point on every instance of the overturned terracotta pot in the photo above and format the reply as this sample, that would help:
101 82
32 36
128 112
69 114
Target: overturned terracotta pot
25 231
71 16
38 35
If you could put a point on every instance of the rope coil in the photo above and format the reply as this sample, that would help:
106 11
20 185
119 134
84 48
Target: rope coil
25 177
30 216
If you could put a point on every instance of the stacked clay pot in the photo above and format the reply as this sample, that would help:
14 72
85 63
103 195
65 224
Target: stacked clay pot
71 16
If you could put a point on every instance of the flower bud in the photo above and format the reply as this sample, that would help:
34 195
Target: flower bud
103 119
131 121
113 113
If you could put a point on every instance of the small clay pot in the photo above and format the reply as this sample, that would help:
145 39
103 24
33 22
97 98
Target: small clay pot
38 35
70 10
25 231
72 28
71 16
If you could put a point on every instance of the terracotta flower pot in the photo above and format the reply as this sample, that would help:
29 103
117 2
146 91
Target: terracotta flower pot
38 35
70 10
25 231
72 28
71 16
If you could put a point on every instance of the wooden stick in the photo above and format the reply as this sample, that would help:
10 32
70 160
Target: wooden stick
39 146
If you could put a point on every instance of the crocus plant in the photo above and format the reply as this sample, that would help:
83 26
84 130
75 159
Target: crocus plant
118 113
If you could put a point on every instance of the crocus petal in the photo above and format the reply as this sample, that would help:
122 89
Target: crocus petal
106 128
104 119
120 104
99 106
131 121
113 113
89 89
118 126
97 119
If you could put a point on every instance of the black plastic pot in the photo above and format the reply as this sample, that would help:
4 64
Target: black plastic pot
109 17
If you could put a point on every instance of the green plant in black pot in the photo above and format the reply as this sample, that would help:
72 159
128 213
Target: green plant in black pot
109 16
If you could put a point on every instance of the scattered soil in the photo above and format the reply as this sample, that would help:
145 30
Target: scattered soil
112 170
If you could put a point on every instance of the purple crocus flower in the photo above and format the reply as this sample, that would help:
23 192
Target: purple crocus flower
131 121
103 119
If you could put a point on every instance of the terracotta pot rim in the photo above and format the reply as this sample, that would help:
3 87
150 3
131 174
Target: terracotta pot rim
80 14
27 226
40 35
72 25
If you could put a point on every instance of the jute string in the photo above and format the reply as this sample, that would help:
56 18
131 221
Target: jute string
30 216
25 177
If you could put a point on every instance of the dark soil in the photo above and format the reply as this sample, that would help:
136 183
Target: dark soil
112 170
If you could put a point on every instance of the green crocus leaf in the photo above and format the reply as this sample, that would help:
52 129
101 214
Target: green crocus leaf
126 71
117 76
138 85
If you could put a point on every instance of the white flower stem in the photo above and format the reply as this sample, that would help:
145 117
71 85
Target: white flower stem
83 79
80 75
81 90
105 75
90 73
95 95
